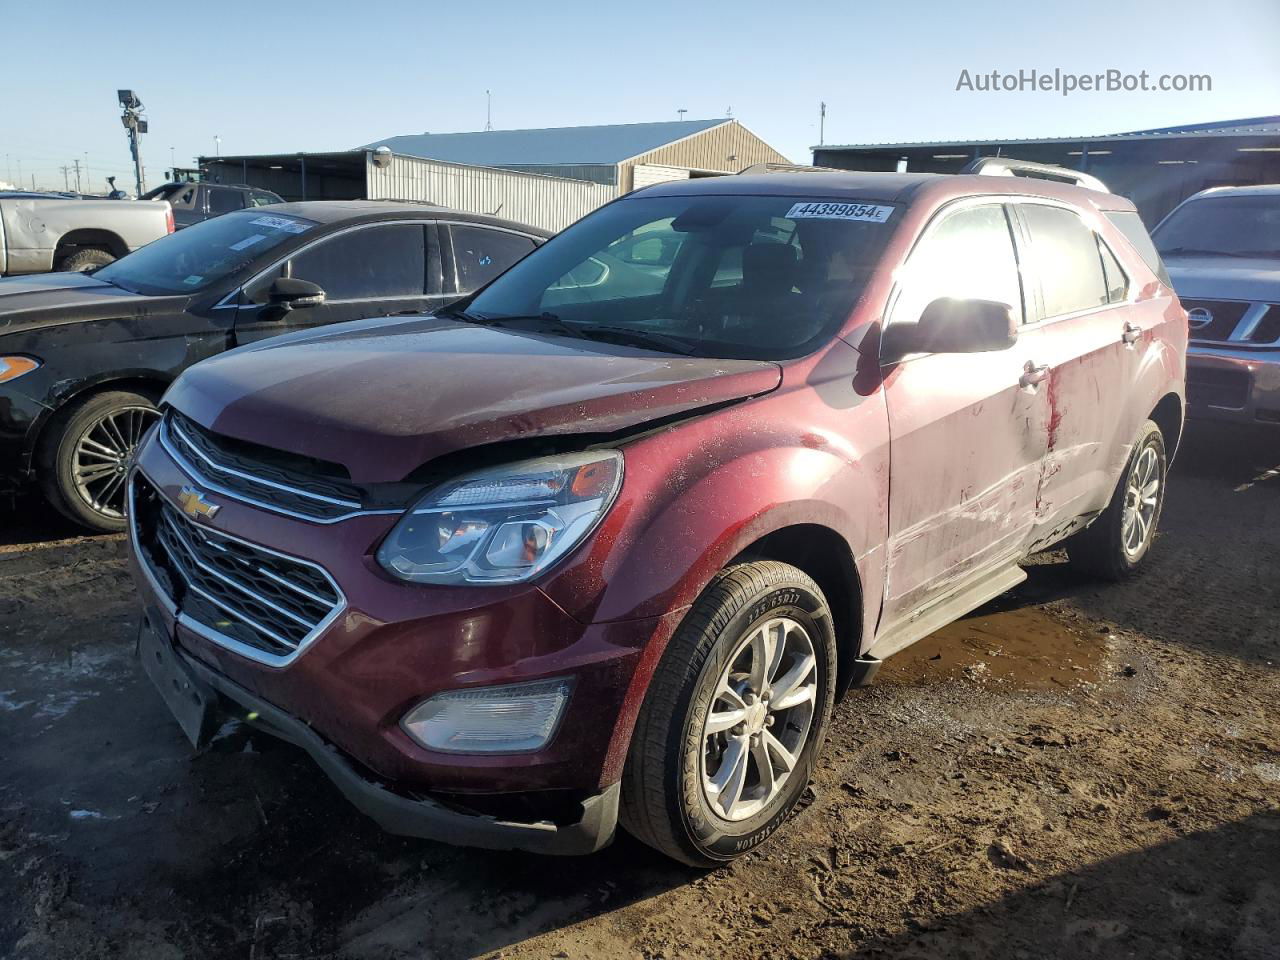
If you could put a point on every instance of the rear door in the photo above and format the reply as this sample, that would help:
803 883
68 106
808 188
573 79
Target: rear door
1082 327
967 433
187 203
481 253
225 200
373 270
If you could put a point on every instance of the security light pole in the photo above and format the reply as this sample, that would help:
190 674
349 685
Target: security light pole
136 125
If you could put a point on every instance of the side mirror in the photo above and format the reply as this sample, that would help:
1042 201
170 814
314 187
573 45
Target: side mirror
952 325
290 293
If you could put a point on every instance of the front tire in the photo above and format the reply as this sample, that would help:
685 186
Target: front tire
1115 545
734 718
85 454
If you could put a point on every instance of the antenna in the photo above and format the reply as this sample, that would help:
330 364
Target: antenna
728 113
488 110
681 112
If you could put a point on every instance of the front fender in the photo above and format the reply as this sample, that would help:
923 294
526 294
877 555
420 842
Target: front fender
696 496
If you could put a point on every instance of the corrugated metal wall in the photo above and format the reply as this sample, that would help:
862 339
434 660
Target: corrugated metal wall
709 150
547 202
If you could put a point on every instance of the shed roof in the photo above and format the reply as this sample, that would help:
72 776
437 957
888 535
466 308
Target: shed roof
1247 127
609 143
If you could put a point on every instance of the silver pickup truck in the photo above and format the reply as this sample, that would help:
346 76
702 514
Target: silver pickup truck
43 232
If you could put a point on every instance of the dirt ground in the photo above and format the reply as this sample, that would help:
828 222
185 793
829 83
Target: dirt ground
1076 770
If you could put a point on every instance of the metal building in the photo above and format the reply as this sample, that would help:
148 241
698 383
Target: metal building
1156 169
626 156
547 178
551 203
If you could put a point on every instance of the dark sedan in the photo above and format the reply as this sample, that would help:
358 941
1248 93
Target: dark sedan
84 358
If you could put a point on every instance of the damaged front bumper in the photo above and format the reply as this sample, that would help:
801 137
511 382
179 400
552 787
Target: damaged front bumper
198 697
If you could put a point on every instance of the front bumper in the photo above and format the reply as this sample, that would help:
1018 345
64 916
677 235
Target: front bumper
197 695
1237 386
391 645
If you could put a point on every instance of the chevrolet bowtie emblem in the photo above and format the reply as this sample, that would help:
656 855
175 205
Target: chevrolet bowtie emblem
195 506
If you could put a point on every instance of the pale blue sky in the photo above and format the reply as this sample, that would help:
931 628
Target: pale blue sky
281 76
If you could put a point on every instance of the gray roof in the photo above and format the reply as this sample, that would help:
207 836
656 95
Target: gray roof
606 144
1248 127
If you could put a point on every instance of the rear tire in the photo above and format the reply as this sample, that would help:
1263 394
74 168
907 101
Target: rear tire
85 452
1115 545
86 258
716 765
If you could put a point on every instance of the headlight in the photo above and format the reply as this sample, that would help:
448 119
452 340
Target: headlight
506 524
510 719
11 368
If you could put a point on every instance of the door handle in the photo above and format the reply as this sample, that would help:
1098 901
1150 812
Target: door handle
1131 332
1031 375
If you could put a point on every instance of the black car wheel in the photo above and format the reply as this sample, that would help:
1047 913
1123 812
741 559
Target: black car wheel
734 716
86 452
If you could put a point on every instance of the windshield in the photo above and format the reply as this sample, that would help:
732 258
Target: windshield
203 253
725 276
1247 226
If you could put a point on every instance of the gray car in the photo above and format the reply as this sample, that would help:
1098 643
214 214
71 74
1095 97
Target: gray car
1222 250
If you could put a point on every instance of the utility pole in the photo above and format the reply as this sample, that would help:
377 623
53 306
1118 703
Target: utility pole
65 170
77 165
8 169
488 110
136 125
822 123
681 112
217 146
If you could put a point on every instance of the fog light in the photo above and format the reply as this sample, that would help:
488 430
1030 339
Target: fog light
511 719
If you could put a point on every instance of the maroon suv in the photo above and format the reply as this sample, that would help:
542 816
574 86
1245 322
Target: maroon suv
606 540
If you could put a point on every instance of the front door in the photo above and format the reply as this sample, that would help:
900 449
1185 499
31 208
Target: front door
967 431
374 270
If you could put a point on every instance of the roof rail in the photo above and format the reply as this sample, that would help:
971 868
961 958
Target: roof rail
787 168
1007 167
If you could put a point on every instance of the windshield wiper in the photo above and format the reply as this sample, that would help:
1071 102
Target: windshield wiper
641 338
541 322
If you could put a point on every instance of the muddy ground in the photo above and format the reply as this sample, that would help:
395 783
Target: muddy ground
1075 771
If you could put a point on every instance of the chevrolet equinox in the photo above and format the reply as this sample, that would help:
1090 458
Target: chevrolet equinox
603 542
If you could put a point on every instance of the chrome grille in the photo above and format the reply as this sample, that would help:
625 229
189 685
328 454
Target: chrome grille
212 460
1233 321
265 604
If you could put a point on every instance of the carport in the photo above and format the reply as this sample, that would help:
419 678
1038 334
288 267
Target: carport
295 176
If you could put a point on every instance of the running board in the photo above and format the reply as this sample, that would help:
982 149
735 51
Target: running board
945 611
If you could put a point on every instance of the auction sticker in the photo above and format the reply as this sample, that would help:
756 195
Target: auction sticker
826 210
281 223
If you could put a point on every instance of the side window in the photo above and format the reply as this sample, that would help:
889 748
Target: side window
371 262
1130 224
481 254
222 200
260 199
182 198
969 254
1117 282
1065 253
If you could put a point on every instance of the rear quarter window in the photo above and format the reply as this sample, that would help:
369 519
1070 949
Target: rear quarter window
1135 231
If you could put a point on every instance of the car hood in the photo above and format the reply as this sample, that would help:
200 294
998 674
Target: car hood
1225 278
383 397
47 299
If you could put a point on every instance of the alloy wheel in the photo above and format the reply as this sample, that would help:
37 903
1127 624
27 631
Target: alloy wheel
1141 501
759 719
102 456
